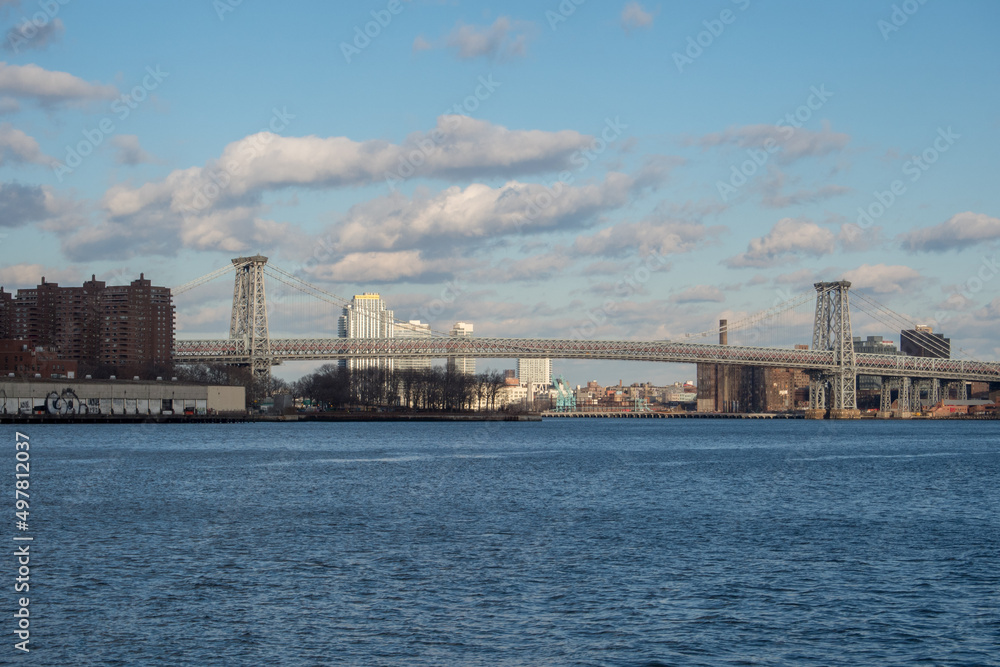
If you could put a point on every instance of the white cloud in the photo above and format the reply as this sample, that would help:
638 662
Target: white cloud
656 170
459 147
18 40
661 237
774 197
960 231
788 236
421 44
159 231
699 294
794 143
882 278
20 204
533 268
129 151
219 206
384 267
455 216
50 87
634 16
476 212
801 277
28 275
504 39
16 146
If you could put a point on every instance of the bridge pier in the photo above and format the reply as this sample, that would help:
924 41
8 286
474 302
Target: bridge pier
833 413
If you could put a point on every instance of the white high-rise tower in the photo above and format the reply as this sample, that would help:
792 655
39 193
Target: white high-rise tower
366 317
465 365
412 329
534 372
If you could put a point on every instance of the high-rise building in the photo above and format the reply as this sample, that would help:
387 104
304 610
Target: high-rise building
735 388
465 365
873 345
6 314
128 327
923 342
366 317
412 329
534 371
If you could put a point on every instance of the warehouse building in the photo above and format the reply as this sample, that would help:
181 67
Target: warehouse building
118 397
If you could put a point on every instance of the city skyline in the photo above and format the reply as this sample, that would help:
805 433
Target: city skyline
667 185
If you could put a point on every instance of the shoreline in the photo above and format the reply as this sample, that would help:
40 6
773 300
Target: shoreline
22 419
242 418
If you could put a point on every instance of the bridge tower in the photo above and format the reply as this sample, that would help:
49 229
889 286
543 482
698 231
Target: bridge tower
248 325
832 331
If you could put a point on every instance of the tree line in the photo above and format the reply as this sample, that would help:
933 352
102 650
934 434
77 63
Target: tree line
435 388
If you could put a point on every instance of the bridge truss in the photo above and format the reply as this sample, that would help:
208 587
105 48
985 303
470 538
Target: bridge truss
832 363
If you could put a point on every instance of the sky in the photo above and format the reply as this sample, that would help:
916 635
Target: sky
575 169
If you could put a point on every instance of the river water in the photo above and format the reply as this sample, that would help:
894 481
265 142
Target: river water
589 542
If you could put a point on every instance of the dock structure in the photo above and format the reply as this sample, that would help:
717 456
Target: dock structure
621 414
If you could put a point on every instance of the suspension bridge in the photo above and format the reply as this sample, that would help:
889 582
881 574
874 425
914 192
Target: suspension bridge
831 362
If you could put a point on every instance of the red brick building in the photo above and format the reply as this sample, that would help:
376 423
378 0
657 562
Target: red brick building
23 360
128 328
6 314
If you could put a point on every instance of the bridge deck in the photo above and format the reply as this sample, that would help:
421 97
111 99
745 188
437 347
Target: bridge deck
317 349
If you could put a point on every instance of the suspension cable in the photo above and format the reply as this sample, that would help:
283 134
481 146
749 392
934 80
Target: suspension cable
892 319
756 318
306 288
208 277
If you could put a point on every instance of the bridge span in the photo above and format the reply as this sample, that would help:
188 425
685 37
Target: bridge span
321 349
832 363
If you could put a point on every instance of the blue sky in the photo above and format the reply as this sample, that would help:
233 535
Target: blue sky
518 165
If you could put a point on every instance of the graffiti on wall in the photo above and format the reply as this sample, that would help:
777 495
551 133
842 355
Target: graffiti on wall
67 402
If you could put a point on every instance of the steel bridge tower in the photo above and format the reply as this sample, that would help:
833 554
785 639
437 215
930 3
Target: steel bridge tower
832 331
248 325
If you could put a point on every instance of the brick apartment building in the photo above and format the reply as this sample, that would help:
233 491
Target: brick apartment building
725 388
128 329
24 361
731 388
